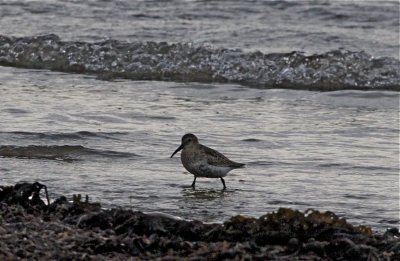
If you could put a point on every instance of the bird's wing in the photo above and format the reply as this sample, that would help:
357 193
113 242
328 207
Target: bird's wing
217 159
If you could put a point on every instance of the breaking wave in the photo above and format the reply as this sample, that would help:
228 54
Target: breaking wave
334 70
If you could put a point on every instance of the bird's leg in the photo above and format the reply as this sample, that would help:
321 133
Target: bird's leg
194 182
223 183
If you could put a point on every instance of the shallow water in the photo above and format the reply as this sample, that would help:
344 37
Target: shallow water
334 151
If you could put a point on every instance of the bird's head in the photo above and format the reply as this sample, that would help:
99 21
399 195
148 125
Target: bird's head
188 140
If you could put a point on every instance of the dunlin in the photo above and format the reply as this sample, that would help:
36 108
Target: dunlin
203 161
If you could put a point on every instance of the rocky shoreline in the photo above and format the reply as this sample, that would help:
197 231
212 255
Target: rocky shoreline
79 230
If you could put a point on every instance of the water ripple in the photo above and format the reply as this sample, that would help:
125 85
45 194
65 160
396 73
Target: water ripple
64 152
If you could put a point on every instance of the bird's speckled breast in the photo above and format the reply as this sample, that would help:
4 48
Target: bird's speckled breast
190 160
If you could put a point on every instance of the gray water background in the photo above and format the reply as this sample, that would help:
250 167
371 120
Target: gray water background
336 151
266 26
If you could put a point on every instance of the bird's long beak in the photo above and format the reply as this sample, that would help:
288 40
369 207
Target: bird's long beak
178 149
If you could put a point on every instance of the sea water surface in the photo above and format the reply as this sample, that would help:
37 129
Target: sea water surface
96 95
334 151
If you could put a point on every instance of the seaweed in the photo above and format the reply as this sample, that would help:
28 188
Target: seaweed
79 229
